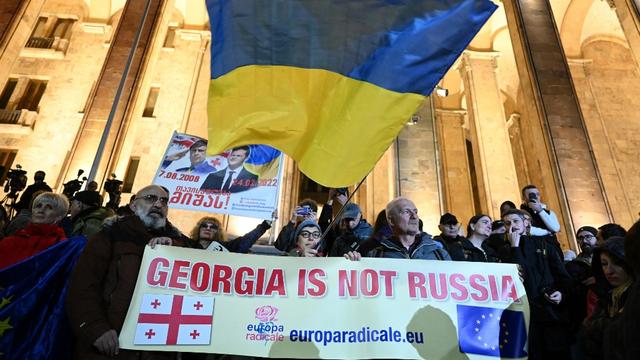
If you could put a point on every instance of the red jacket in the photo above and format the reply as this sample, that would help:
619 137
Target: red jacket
29 241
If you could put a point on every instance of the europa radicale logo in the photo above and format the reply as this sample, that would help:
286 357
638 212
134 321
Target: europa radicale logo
266 329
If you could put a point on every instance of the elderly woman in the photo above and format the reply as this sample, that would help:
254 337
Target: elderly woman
307 236
208 234
474 248
42 232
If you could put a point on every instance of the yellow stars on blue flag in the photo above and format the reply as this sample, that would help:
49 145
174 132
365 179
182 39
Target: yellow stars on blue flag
5 325
5 301
491 331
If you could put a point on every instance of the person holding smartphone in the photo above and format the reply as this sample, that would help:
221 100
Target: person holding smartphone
543 221
307 209
547 284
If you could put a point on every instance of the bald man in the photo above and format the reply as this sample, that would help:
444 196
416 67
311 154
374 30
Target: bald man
105 276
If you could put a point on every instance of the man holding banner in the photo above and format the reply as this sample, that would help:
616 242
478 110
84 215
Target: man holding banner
406 242
104 278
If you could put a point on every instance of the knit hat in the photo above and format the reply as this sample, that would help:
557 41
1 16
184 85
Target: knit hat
88 197
305 224
589 229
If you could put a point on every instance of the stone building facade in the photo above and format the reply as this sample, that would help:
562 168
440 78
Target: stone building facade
545 94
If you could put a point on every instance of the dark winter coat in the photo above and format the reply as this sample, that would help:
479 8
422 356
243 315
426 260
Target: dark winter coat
352 239
544 271
603 332
466 251
103 282
450 244
424 248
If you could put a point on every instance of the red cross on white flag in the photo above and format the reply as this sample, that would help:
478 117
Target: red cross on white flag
174 320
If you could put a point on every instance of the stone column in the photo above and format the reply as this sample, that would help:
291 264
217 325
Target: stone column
456 180
555 115
99 107
495 168
417 168
9 14
629 17
603 148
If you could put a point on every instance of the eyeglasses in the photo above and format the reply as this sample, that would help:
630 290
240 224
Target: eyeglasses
153 198
209 226
585 237
307 234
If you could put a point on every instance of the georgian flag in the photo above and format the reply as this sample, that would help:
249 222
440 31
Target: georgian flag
174 320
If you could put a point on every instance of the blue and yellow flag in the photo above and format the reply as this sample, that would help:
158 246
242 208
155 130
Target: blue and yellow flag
33 321
329 82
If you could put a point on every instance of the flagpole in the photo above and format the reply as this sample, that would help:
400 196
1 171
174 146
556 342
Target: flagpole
116 100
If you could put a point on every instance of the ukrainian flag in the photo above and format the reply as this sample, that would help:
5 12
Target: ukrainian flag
329 82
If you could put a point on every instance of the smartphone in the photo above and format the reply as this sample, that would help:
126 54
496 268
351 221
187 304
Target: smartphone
303 211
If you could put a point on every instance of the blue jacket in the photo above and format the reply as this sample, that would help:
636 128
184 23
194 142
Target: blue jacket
425 249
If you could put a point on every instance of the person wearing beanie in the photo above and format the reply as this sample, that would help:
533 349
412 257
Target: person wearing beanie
601 330
86 213
354 230
586 290
307 235
587 240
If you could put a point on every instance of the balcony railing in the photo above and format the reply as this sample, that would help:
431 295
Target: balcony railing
40 42
9 116
23 117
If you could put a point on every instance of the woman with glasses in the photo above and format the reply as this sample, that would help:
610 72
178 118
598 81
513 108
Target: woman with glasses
307 236
208 234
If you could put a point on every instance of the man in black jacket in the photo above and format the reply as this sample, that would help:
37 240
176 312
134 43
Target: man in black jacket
450 234
547 284
27 195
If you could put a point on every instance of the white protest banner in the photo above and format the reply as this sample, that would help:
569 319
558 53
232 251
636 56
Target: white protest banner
242 181
190 300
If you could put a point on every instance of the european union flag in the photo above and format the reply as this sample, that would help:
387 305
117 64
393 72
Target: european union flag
33 322
491 332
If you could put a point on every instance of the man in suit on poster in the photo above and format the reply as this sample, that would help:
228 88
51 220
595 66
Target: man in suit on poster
234 178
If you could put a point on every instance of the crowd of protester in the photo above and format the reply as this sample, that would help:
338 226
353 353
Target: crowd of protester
582 306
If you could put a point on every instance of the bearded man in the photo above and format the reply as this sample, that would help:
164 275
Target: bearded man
104 278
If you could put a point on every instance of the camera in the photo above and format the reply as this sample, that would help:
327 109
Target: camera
112 187
304 211
342 191
16 181
533 197
73 186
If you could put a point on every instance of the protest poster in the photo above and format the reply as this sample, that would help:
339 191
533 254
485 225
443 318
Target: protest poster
242 181
289 307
